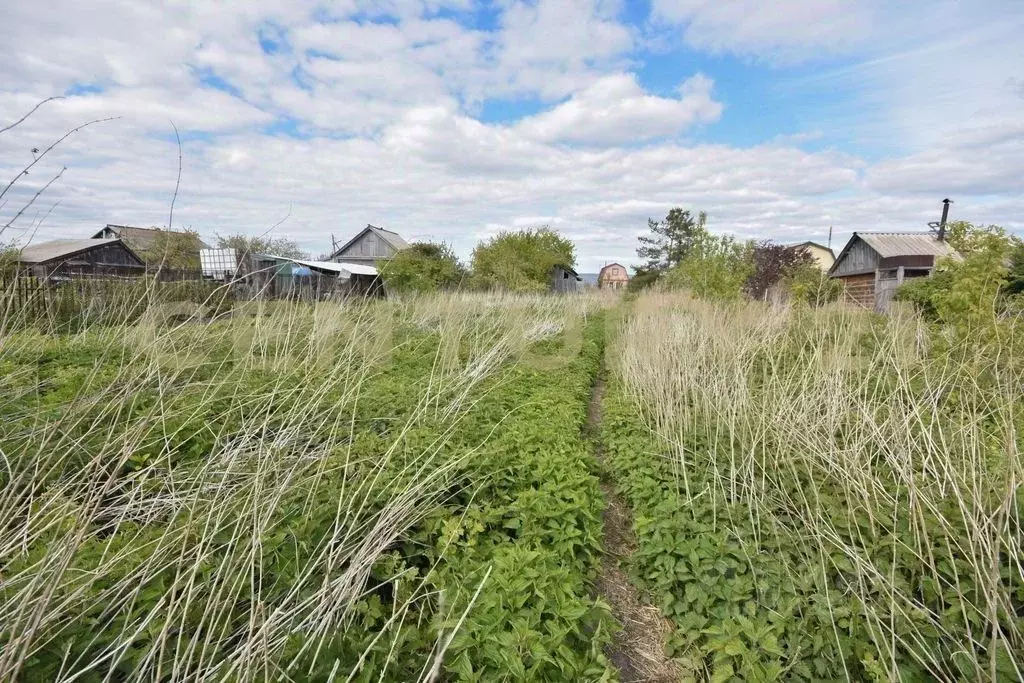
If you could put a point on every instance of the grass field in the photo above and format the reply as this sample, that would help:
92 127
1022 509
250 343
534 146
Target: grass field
401 490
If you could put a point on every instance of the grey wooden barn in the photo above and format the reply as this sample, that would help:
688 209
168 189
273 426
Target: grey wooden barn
60 259
369 246
873 264
565 279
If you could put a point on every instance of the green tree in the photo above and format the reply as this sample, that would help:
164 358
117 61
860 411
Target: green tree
808 284
521 261
423 267
717 267
642 279
671 239
173 249
277 246
967 293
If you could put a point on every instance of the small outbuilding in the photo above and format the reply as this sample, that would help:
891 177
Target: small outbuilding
873 264
823 256
65 259
372 244
613 276
565 279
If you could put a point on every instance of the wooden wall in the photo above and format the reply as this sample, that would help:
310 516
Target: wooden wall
859 259
859 289
366 249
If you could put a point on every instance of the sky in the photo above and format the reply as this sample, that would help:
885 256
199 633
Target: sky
451 120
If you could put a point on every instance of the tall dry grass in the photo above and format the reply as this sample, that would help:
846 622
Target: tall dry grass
894 470
195 501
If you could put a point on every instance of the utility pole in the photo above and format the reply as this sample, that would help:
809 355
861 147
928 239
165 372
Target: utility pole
830 237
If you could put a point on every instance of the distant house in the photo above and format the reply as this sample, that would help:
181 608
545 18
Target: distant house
613 276
143 240
369 246
564 279
60 259
873 264
822 255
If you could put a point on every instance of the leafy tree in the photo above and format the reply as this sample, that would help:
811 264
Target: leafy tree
967 294
716 267
642 279
278 246
772 263
172 249
521 261
671 239
423 267
808 284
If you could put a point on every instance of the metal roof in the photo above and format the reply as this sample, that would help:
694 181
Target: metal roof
343 269
392 238
55 249
889 244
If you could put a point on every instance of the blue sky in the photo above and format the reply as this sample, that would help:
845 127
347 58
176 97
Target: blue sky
453 119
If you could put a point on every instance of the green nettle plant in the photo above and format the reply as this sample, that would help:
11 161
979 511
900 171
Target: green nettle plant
823 494
384 490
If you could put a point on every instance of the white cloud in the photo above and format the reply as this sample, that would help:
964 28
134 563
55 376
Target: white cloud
387 133
615 109
786 30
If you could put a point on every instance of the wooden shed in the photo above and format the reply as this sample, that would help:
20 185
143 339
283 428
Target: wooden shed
565 279
873 264
372 244
143 241
613 276
62 259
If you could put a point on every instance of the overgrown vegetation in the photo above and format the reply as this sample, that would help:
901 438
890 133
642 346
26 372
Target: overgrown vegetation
824 494
423 267
366 491
521 261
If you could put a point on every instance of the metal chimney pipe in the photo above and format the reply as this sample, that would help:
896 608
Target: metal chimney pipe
945 214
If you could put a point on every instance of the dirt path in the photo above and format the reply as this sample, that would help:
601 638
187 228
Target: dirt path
638 650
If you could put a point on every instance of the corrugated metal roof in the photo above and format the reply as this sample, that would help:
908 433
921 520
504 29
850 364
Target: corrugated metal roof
889 244
342 269
54 249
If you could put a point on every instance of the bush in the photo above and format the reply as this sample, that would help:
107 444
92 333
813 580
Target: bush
423 267
521 261
716 268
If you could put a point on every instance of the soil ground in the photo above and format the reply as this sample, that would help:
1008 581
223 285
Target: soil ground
638 649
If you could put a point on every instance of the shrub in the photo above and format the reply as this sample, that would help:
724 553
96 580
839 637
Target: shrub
423 267
521 261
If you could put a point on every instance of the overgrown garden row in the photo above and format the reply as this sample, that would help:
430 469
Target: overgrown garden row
821 495
379 492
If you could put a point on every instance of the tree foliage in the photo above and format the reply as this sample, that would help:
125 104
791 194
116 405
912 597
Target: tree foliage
967 294
671 239
771 263
278 246
521 261
173 249
716 267
423 267
807 283
642 279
